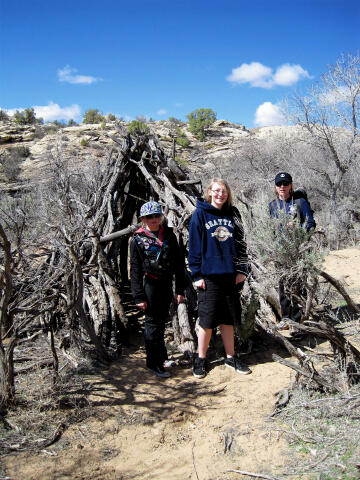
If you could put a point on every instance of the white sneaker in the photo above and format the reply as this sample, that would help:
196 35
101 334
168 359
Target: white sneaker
169 363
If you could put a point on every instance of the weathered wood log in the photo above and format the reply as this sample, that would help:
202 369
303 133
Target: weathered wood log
312 374
188 344
335 337
341 289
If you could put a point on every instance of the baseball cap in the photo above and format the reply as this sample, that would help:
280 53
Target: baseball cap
281 176
150 208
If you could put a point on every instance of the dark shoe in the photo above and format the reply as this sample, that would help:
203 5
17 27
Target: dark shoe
199 370
237 365
159 372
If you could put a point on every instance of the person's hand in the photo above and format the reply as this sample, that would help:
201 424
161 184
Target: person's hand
200 284
142 305
240 277
179 298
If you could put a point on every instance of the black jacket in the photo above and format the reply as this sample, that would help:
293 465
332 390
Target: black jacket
156 257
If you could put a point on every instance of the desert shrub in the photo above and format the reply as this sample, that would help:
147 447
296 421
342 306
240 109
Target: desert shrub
200 120
111 117
181 161
93 116
181 139
26 117
103 125
59 124
141 118
176 121
285 247
11 160
138 127
322 430
3 115
84 142
71 123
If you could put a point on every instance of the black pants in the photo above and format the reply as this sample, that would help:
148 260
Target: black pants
158 296
290 307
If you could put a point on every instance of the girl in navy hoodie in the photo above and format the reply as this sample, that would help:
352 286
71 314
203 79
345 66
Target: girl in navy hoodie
219 265
155 258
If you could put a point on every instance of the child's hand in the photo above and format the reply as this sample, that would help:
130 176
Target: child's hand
200 284
142 305
179 298
240 277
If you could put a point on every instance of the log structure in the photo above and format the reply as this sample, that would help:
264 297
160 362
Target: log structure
138 172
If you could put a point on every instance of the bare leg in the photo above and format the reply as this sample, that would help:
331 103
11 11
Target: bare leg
204 336
227 335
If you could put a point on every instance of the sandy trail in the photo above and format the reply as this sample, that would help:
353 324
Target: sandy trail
178 428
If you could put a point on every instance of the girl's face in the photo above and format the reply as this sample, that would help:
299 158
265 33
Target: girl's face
218 194
152 222
283 189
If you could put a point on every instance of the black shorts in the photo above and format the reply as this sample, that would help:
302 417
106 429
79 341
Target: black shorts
219 303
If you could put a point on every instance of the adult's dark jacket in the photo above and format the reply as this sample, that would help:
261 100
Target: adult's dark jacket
216 242
157 257
295 208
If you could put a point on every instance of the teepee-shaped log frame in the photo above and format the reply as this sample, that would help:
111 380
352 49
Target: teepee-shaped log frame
139 172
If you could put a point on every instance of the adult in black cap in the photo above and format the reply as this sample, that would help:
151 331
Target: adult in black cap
298 210
295 208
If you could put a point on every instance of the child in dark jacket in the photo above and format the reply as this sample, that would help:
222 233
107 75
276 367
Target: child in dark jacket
219 265
155 257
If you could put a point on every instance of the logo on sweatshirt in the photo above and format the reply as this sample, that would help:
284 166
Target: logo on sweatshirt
221 234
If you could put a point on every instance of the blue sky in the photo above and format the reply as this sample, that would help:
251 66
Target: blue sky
167 58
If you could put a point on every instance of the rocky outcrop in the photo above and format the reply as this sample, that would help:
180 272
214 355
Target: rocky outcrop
81 144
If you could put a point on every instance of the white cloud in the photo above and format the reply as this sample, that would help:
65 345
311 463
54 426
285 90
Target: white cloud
53 111
255 73
179 104
287 75
66 74
162 111
269 114
259 75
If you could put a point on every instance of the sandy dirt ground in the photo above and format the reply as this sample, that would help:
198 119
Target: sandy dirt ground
181 427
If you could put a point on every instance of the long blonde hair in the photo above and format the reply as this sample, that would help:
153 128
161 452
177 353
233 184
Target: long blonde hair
222 182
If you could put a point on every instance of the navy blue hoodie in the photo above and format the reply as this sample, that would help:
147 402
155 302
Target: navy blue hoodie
216 242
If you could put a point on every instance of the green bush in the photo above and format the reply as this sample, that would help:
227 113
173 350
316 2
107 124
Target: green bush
181 161
103 125
181 139
71 123
138 127
93 116
84 142
111 117
26 117
3 115
199 121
